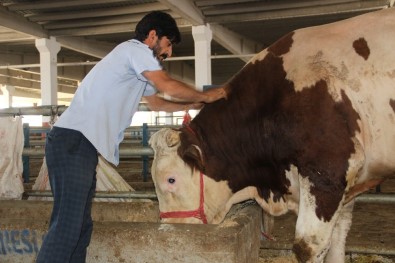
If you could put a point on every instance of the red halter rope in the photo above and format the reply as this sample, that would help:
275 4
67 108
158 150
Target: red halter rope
198 213
186 121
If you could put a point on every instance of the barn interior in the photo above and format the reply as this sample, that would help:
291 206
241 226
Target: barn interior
219 35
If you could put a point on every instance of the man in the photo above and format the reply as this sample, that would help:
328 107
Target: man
102 107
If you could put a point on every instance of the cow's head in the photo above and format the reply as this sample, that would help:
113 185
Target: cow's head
185 195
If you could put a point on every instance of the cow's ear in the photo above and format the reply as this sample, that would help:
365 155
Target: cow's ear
172 138
193 156
163 139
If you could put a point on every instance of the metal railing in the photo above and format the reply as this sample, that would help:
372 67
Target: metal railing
139 135
35 148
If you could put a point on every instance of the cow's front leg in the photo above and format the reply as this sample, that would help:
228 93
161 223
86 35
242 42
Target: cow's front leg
240 196
336 252
312 234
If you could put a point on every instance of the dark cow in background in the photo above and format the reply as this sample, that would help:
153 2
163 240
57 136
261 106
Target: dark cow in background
308 124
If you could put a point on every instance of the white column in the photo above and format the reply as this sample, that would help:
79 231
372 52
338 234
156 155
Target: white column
8 92
202 36
49 49
168 115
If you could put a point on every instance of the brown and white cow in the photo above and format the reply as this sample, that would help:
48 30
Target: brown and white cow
308 124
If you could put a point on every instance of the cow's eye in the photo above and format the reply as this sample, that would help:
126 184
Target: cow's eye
171 180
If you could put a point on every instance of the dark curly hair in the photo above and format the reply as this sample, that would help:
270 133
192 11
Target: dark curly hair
162 23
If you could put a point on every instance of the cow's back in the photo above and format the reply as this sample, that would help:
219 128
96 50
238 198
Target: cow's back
356 56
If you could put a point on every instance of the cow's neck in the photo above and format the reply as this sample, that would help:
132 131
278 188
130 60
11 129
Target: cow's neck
216 195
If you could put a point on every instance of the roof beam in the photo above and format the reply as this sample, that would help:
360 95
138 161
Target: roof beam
101 21
13 37
37 5
298 9
235 43
95 30
92 48
202 3
186 9
63 98
128 27
20 24
115 11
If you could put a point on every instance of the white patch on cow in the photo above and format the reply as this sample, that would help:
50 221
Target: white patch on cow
178 186
216 195
173 179
309 228
277 208
339 234
311 61
175 182
355 164
316 67
293 198
260 56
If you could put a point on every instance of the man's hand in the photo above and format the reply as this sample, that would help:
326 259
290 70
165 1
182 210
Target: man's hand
214 94
181 91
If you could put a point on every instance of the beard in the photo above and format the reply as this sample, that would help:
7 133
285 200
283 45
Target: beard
157 50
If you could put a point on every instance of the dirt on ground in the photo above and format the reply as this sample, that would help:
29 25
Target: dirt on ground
349 259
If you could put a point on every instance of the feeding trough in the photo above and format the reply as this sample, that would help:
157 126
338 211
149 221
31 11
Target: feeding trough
131 232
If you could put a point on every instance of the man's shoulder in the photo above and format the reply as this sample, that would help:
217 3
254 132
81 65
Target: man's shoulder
133 46
134 43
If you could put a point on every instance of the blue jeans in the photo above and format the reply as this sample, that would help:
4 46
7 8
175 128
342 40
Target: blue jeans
71 161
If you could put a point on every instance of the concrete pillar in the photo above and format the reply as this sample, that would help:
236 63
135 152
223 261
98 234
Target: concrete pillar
8 92
202 36
49 49
168 115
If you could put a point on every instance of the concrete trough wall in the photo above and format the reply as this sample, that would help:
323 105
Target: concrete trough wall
131 232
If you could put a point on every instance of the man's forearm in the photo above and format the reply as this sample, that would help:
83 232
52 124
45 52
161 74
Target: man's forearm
155 103
183 92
